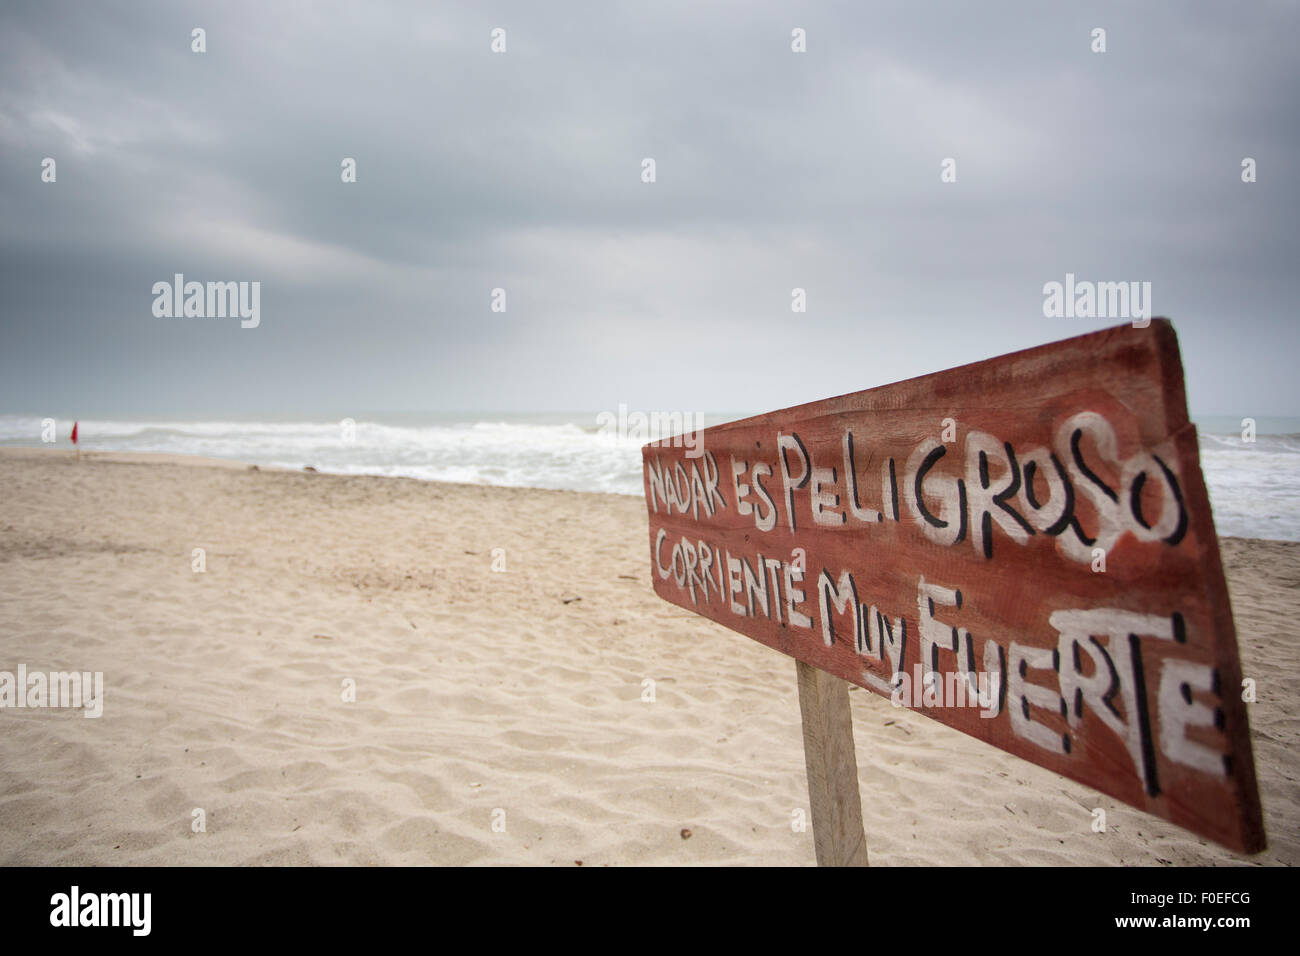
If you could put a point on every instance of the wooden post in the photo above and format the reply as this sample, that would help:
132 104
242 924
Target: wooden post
832 768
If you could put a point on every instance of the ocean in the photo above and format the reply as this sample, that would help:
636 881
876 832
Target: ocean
1254 486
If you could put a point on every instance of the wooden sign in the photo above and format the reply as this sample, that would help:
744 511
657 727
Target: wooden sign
1021 549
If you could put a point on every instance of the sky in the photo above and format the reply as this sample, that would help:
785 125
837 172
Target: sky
522 170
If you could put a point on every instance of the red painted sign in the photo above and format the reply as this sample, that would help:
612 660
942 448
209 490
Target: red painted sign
1021 549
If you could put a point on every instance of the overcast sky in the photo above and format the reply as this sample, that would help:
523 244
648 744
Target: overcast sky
523 170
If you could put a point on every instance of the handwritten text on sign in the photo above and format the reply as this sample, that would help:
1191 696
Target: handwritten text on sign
1021 549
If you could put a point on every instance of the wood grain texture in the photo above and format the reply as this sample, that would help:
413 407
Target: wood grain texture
832 768
1039 518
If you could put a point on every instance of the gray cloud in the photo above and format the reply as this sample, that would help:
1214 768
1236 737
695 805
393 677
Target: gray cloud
521 171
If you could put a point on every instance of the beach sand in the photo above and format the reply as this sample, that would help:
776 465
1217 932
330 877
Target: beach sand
482 698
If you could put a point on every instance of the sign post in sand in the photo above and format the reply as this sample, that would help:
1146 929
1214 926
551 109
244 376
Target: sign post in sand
1021 549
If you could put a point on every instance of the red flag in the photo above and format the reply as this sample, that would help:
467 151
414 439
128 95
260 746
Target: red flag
74 433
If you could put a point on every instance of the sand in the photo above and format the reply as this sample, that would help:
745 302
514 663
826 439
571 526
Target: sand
498 716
